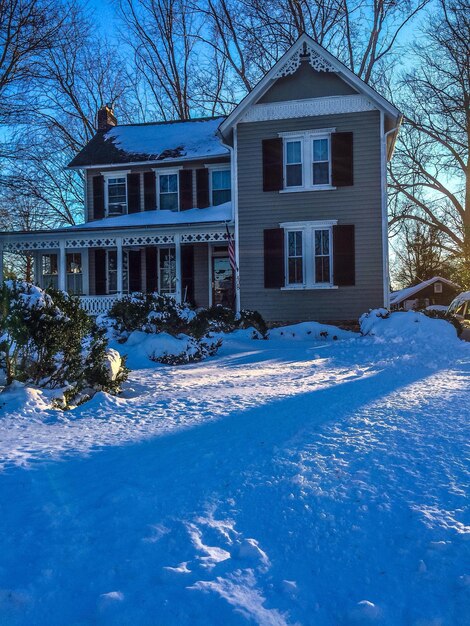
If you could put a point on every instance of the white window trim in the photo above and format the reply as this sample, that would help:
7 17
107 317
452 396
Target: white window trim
116 174
165 172
306 138
308 229
219 167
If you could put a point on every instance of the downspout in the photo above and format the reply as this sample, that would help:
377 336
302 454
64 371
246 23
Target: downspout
383 165
234 174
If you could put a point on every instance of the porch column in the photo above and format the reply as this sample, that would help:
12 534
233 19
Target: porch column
178 268
1 261
62 267
85 273
37 257
119 266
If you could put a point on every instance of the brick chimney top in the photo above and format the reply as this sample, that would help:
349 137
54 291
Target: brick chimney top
106 118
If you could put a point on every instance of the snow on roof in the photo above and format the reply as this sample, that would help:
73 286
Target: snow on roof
160 141
403 294
221 213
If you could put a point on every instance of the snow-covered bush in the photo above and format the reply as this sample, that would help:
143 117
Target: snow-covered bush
406 326
195 350
220 319
438 314
46 339
151 313
159 314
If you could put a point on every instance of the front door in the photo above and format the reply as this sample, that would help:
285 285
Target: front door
222 282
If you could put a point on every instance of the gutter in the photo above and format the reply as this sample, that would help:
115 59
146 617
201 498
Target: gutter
384 158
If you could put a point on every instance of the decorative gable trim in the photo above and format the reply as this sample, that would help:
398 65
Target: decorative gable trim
307 108
292 64
319 58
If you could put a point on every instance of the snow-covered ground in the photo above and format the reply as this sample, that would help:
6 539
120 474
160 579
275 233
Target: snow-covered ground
312 481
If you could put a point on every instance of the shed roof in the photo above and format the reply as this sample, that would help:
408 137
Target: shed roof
403 294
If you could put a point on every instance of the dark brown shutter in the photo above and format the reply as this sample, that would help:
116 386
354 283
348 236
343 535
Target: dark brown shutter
344 255
187 273
274 258
202 185
150 197
342 159
135 283
100 271
151 282
272 164
133 193
98 197
186 189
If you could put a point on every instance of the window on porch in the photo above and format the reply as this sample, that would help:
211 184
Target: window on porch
112 271
50 271
167 270
74 272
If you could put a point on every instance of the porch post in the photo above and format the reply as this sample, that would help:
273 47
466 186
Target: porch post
36 266
85 273
120 281
178 268
62 268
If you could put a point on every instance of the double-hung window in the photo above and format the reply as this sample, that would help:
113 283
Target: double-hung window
117 195
221 186
167 270
74 272
293 175
307 160
50 271
295 259
112 271
168 196
308 254
320 161
322 260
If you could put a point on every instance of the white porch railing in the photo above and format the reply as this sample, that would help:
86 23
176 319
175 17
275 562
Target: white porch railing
97 305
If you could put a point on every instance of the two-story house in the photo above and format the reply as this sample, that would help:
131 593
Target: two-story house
296 174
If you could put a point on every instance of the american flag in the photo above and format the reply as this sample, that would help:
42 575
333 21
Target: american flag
231 251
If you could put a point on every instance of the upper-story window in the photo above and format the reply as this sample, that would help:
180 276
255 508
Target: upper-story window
293 166
116 195
307 160
221 186
321 161
168 191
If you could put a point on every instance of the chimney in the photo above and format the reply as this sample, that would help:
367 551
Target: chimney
105 117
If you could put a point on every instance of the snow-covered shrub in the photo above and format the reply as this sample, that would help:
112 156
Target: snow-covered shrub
195 350
438 314
407 326
222 319
46 339
151 313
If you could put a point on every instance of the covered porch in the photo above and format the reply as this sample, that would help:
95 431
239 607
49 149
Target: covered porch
190 264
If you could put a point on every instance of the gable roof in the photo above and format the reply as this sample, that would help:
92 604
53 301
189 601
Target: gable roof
403 294
159 141
325 62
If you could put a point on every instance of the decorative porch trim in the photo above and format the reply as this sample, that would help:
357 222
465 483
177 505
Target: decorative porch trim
220 236
147 240
26 246
96 242
310 107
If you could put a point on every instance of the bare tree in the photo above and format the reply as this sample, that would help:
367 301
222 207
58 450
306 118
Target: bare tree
420 255
431 169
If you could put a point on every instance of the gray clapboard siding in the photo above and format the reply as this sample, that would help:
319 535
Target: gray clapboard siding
359 205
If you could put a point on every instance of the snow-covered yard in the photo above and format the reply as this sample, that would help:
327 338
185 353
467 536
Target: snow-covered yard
298 480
